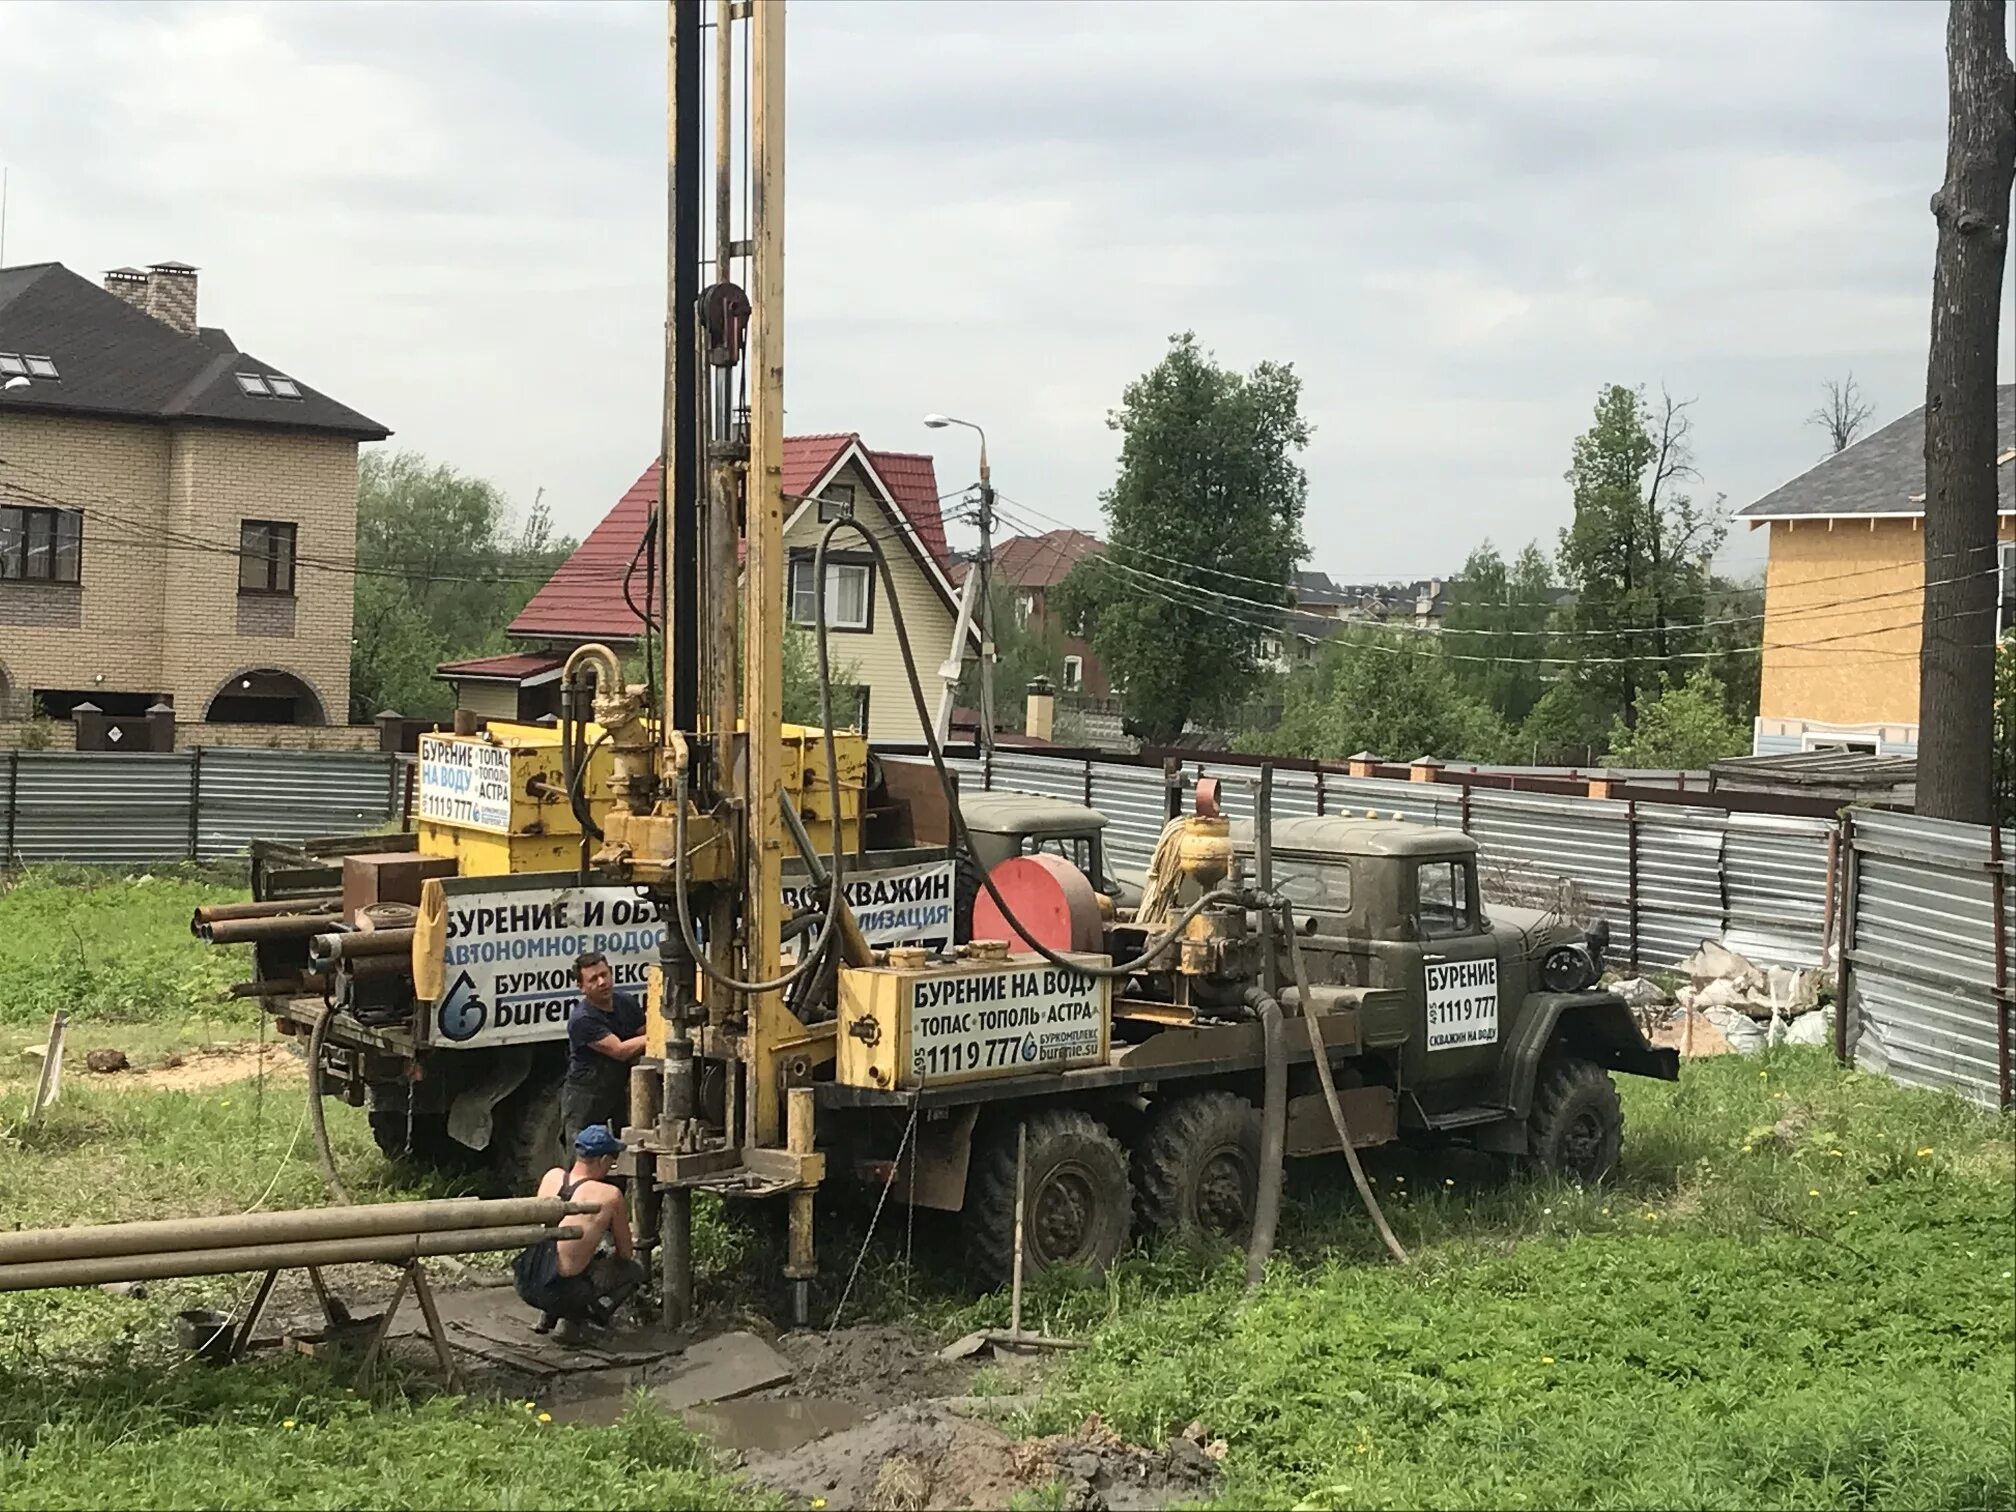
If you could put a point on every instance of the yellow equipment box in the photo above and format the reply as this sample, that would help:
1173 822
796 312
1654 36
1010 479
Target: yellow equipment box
907 1027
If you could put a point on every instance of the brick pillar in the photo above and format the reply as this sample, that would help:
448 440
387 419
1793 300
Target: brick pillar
1424 769
161 727
1364 764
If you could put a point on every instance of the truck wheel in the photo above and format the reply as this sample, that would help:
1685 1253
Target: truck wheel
1078 1200
1197 1168
428 1142
1577 1124
528 1137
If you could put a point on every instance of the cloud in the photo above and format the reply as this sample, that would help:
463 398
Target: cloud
1456 221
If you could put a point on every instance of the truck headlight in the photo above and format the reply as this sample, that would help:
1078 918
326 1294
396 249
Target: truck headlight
1567 968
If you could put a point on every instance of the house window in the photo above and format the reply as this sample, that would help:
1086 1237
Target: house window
39 367
1865 743
253 384
265 556
1025 606
1074 673
850 593
836 502
40 545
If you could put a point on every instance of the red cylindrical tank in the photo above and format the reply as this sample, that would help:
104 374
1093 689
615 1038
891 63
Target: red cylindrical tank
1052 899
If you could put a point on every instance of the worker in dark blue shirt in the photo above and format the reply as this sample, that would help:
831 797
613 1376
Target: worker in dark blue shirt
605 1035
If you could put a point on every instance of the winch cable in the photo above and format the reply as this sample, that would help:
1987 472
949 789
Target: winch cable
1156 946
1273 1135
1320 1052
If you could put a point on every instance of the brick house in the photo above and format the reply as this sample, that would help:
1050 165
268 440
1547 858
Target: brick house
1844 590
1029 567
895 494
178 518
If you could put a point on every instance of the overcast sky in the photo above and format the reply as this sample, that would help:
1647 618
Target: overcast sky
1456 222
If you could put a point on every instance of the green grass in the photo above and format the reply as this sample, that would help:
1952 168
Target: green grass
1784 1304
1706 1332
109 950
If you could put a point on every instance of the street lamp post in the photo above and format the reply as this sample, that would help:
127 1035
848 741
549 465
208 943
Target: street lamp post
982 581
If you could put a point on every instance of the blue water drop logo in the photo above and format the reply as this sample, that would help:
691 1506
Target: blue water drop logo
1028 1047
462 1013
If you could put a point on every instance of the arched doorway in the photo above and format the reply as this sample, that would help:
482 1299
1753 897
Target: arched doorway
265 696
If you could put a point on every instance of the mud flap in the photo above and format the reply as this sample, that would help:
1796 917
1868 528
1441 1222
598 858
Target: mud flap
473 1113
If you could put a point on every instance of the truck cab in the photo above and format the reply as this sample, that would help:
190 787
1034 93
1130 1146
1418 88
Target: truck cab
1005 825
1462 997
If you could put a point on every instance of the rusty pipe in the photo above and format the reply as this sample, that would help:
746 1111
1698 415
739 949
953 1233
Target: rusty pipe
163 1264
220 913
93 1241
261 931
379 967
303 984
352 944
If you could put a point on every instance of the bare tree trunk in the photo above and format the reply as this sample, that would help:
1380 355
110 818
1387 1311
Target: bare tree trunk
1956 664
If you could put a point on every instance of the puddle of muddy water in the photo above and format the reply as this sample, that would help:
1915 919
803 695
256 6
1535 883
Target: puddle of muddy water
747 1425
757 1425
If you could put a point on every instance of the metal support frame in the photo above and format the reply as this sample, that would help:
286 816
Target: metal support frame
1851 879
1631 862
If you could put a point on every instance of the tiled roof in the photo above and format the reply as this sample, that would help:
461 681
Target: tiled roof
584 598
1042 561
1883 473
515 666
114 359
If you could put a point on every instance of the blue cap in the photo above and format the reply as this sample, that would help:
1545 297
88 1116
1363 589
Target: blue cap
596 1141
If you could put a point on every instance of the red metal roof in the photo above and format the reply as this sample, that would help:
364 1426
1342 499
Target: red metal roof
584 598
512 667
1042 561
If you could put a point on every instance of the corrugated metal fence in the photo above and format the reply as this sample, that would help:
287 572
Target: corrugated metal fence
1926 969
191 805
1667 875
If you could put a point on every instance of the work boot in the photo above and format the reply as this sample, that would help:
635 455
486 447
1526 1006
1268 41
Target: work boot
545 1323
569 1331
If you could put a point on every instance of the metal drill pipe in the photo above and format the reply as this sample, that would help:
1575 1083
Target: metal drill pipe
219 913
166 1264
257 931
296 1226
353 944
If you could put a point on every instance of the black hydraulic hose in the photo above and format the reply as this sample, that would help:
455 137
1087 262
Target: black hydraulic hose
1321 1052
1116 973
316 1037
1273 1135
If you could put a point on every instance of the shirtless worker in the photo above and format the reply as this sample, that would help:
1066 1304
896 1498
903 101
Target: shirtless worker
605 1035
566 1279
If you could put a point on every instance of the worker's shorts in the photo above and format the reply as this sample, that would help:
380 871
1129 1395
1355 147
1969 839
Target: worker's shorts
595 1294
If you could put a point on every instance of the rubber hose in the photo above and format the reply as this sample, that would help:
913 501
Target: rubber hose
1321 1053
327 1156
1120 972
1273 1136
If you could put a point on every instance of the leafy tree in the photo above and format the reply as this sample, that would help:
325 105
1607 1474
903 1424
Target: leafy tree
1638 551
2005 730
1732 609
1565 728
1499 611
1679 725
441 570
1208 503
1366 694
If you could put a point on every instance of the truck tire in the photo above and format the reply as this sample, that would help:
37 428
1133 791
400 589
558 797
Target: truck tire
1197 1169
428 1142
528 1137
1080 1204
1576 1128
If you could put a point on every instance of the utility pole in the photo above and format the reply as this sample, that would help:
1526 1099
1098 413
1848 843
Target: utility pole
984 565
1956 665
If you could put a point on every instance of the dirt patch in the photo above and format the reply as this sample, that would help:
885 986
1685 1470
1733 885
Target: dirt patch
925 1457
193 1070
876 1364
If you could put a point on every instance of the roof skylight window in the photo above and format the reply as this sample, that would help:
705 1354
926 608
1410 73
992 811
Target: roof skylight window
40 367
11 365
284 388
254 385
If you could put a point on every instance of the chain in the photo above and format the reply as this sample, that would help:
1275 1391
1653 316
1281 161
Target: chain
866 1240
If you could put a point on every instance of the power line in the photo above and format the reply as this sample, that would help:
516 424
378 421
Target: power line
1450 580
1833 608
